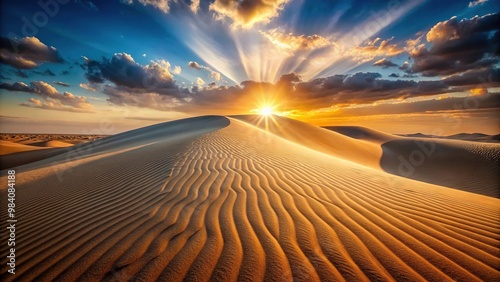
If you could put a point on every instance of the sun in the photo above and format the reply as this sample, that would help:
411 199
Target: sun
266 111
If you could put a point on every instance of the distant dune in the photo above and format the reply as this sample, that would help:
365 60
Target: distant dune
476 137
20 149
8 147
241 198
52 144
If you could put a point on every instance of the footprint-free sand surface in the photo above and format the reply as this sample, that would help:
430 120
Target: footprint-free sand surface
230 199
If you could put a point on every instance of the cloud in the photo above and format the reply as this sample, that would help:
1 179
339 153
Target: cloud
16 86
374 48
194 65
290 78
213 74
87 5
478 91
291 93
194 6
394 75
489 77
21 73
290 42
46 72
61 83
162 5
26 53
150 86
176 70
476 3
247 13
123 71
199 81
51 99
384 63
123 96
358 88
88 87
483 101
458 46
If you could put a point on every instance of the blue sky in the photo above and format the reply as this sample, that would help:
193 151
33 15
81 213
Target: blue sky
162 60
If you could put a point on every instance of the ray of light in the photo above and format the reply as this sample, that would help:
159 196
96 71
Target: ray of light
249 56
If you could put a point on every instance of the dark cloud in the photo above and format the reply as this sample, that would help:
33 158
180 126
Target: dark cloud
50 98
194 65
21 74
359 88
46 72
384 63
485 77
65 72
293 94
128 75
290 78
487 101
61 83
16 86
458 46
26 53
394 75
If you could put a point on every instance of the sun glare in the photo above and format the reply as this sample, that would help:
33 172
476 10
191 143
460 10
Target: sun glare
267 111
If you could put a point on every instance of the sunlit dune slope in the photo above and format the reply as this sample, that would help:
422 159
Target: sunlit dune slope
7 147
356 150
53 144
215 198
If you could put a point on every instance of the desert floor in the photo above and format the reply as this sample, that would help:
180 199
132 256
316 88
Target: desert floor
249 198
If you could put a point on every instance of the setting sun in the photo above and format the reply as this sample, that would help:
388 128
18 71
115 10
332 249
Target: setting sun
267 111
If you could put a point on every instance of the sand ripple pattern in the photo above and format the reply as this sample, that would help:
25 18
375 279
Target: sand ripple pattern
240 204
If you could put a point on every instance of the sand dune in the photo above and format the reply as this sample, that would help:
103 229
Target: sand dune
468 166
15 154
7 147
359 151
477 137
362 133
215 198
436 161
21 149
52 144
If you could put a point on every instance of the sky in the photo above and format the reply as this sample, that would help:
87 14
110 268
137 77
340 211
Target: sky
107 66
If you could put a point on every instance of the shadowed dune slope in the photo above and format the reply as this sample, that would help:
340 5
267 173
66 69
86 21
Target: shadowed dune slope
227 201
363 133
27 157
464 165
